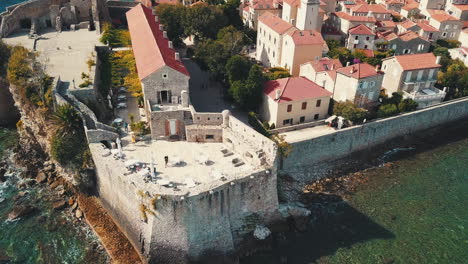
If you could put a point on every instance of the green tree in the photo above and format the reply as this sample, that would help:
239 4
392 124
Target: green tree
66 120
407 105
248 94
455 79
203 21
230 10
284 148
172 17
349 111
387 110
237 68
212 56
277 73
232 39
4 56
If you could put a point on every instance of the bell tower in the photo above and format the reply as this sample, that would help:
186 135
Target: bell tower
308 15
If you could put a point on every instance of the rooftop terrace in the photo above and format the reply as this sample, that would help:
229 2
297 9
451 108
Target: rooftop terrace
192 168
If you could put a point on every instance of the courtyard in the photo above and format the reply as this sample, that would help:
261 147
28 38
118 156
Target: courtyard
64 54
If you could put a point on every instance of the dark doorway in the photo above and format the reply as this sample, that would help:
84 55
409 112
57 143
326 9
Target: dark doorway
25 23
164 96
48 23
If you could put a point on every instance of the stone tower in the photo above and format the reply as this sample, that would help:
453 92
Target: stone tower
308 15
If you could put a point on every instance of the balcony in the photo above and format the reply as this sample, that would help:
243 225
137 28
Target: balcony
426 97
417 84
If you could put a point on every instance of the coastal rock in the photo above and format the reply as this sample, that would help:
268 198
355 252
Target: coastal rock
59 205
54 184
20 211
41 177
261 232
79 214
74 206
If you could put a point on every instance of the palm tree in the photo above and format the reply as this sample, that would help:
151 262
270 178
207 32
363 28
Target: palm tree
66 120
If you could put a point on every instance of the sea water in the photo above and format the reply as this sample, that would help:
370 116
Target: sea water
6 3
45 236
415 212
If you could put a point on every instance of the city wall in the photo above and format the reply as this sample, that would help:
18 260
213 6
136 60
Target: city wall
314 158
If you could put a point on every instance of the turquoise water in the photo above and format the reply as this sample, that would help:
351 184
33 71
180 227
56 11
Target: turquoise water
45 236
415 212
5 3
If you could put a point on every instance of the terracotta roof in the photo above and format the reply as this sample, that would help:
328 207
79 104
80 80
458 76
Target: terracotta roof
296 3
325 64
410 6
424 25
417 61
332 74
349 17
389 24
408 24
199 3
150 48
461 7
465 24
409 35
441 15
294 89
361 30
387 35
274 22
374 8
306 37
263 4
358 71
394 2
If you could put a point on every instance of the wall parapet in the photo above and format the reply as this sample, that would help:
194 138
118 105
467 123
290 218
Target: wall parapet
342 143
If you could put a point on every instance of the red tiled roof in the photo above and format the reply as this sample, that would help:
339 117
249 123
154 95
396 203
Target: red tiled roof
274 22
349 17
411 6
306 37
389 24
263 4
374 8
199 3
424 25
149 46
461 7
441 15
332 74
294 89
358 71
417 61
361 30
409 35
325 64
387 35
407 24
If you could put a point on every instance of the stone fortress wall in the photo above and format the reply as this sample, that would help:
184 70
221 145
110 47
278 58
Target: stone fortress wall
313 158
47 13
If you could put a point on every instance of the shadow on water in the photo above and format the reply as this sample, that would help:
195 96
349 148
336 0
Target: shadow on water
335 224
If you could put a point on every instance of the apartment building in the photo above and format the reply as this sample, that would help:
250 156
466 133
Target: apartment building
360 37
292 101
415 76
448 25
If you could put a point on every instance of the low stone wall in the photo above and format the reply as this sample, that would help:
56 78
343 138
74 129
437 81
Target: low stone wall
296 127
310 159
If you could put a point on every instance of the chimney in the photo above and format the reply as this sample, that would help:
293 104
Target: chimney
347 64
333 66
437 59
156 18
165 34
161 27
352 70
293 22
277 94
377 68
177 56
171 46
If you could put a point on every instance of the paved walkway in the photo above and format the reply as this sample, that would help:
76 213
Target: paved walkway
307 133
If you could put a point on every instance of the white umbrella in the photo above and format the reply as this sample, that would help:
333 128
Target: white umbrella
131 162
118 120
163 182
331 118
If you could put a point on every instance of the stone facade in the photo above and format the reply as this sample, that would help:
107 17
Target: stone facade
160 86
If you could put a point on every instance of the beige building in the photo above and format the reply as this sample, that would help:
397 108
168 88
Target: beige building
254 9
449 26
341 22
415 76
280 44
292 101
360 37
303 14
322 72
358 83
